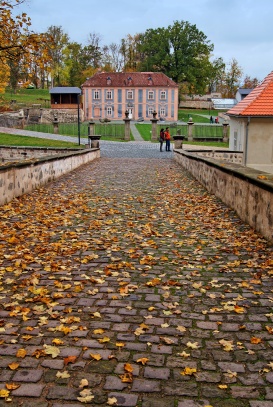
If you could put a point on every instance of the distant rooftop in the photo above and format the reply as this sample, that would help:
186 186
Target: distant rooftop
64 90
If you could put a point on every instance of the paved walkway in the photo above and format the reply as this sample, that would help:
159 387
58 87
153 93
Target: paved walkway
125 283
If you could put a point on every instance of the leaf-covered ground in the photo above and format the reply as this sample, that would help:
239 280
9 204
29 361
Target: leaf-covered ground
125 283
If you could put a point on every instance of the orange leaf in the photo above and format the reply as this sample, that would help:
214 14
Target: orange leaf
21 353
70 359
13 365
143 361
128 368
255 340
126 377
12 386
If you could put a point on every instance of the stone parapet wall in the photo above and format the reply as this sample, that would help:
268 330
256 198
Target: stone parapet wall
237 186
229 156
195 104
25 153
20 178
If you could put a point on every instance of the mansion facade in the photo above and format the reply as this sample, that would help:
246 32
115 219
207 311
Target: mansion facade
108 95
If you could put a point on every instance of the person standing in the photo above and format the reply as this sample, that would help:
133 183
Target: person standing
161 138
168 139
211 120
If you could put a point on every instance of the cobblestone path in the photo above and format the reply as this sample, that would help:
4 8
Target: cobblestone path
125 283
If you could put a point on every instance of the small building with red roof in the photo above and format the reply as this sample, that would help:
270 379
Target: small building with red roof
107 95
251 126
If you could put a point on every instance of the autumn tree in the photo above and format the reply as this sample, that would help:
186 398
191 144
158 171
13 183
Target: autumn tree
250 83
233 76
17 43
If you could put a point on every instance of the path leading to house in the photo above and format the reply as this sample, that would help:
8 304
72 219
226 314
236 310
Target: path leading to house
125 283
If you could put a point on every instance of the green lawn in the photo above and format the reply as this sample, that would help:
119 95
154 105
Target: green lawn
24 141
26 97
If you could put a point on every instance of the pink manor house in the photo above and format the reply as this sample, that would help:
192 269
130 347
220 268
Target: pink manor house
110 94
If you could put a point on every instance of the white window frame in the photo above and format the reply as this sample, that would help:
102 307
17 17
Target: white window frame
162 112
109 94
163 95
151 95
109 111
130 95
96 94
150 111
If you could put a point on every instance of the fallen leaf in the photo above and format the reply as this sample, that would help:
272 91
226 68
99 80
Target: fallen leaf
83 383
95 356
188 371
255 340
12 386
112 401
128 367
4 393
142 360
62 375
52 350
70 359
13 365
193 345
21 353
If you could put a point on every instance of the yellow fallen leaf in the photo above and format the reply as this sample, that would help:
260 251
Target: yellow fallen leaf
83 383
142 360
21 353
95 356
52 350
57 341
104 339
222 386
112 401
193 345
188 371
4 393
13 365
184 354
181 329
120 344
62 375
98 331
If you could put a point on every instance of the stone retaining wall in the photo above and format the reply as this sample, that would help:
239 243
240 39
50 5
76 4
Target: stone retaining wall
229 156
22 177
11 153
237 186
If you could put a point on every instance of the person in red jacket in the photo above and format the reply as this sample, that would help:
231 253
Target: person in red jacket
168 139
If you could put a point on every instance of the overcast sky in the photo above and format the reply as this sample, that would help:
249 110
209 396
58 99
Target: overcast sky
240 29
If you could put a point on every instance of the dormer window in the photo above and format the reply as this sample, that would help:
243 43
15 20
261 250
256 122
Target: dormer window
150 81
130 80
108 80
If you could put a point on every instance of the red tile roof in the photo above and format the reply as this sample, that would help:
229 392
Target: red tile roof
259 102
129 79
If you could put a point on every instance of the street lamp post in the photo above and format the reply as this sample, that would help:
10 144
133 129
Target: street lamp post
79 123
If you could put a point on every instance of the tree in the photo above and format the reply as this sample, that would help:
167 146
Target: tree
250 83
217 75
58 40
232 79
180 51
17 43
